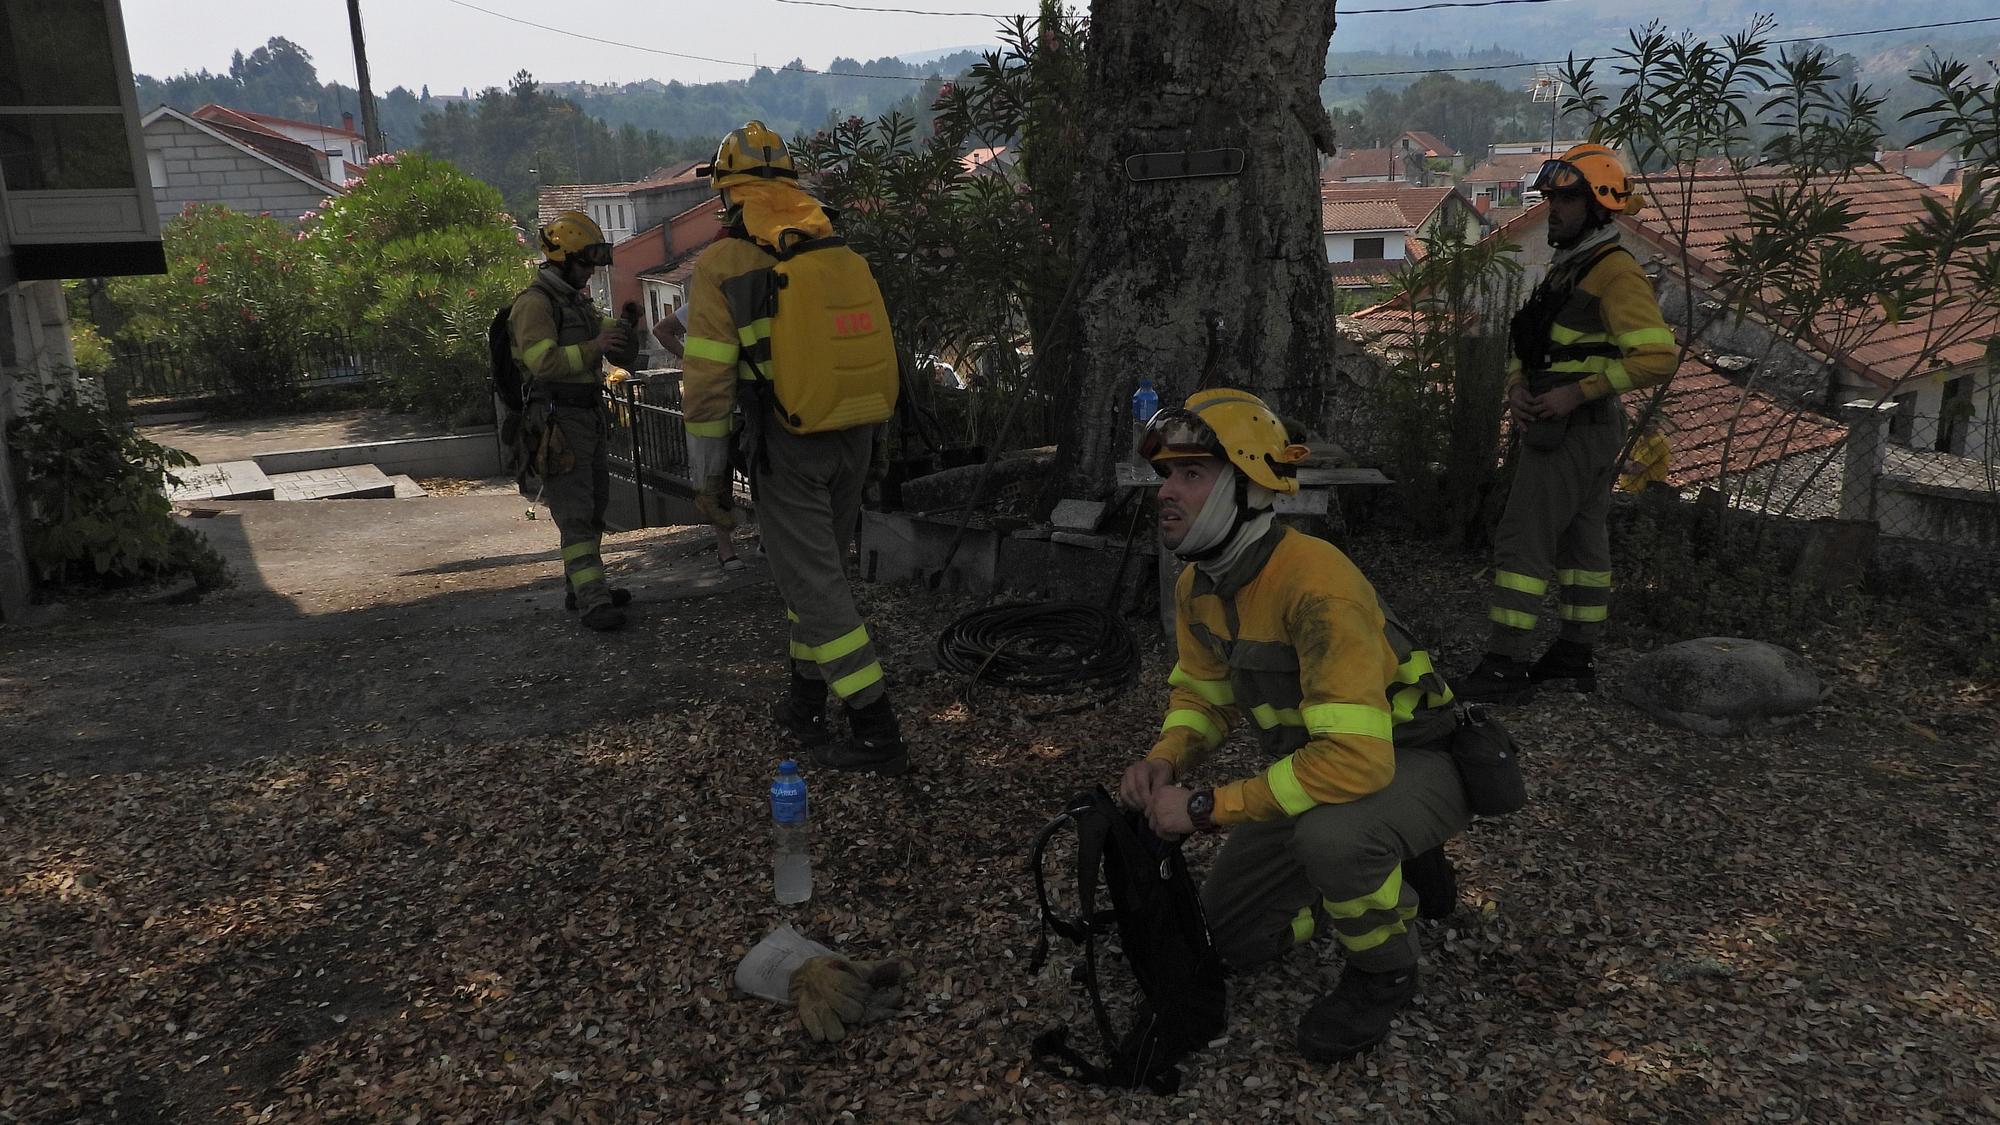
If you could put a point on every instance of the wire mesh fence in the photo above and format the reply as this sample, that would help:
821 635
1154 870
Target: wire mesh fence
274 371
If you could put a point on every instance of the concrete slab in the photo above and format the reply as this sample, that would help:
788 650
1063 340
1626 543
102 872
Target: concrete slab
407 489
239 439
349 482
1078 515
227 480
470 456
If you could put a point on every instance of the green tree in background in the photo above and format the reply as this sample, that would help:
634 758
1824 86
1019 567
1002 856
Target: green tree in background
422 255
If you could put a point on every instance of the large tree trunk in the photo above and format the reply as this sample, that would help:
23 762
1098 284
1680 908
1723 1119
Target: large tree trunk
1217 280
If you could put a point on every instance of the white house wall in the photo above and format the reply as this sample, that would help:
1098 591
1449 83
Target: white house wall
197 168
1340 246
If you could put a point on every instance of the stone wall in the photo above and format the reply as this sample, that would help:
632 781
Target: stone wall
202 169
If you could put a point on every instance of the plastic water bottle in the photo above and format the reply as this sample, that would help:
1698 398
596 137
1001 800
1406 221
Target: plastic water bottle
791 856
1145 404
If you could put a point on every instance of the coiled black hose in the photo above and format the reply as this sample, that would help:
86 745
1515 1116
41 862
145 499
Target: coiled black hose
1044 647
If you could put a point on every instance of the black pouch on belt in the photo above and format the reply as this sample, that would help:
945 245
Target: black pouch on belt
1488 764
1546 433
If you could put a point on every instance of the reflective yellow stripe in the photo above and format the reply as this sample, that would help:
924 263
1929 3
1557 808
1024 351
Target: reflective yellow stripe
1415 668
848 642
1597 578
1268 716
1350 718
579 549
606 322
573 355
759 329
1512 581
1384 897
1583 612
535 351
790 616
1194 721
847 685
1283 779
1403 705
1303 926
1365 942
799 651
708 429
1614 374
580 579
1512 618
698 347
1218 692
1640 337
1566 336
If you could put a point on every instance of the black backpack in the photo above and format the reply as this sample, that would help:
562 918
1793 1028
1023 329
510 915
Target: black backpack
1156 912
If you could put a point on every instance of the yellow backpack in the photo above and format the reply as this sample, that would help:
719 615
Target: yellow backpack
831 364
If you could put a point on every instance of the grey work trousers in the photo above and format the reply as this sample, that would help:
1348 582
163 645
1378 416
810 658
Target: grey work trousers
808 501
1276 883
1554 529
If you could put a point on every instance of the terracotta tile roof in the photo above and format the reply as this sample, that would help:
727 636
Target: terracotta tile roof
1882 203
1417 204
1431 143
1364 275
676 270
246 130
669 175
266 120
557 198
1905 159
1362 162
1361 214
1700 405
991 158
1511 168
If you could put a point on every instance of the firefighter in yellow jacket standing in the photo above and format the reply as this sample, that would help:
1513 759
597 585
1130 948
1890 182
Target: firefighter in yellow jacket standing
1344 830
560 339
808 484
1590 332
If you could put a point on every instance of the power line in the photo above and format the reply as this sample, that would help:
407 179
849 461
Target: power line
1598 58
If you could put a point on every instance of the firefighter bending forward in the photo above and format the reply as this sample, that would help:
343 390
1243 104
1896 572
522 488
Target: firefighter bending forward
560 338
1344 830
808 485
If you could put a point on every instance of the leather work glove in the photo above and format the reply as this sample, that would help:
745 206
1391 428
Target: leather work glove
830 995
885 987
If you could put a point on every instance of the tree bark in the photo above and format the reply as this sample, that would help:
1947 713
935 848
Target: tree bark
1211 281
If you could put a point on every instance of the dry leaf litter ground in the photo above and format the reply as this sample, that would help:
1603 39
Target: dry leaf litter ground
305 919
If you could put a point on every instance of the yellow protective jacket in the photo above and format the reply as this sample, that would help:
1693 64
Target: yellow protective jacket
554 328
1609 332
1306 649
712 364
1654 455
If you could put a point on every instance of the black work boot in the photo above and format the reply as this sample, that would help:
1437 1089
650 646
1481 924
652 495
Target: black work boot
620 597
604 618
1356 1014
1498 679
1436 884
1567 660
801 714
874 743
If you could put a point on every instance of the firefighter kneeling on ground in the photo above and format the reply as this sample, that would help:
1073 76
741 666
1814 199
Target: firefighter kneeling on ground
1345 830
811 411
560 341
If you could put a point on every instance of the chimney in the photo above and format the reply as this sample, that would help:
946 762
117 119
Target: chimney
347 121
1481 204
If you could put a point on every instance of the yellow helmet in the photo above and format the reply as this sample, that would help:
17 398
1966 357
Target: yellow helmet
1596 170
751 153
1233 425
574 234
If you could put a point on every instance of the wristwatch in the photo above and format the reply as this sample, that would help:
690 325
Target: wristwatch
1201 809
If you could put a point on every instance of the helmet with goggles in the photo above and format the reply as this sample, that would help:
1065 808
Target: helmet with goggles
1235 426
575 236
1594 171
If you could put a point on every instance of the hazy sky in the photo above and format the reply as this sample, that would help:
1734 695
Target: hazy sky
412 42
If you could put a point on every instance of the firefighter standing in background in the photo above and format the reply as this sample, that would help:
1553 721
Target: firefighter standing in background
1591 331
808 484
560 340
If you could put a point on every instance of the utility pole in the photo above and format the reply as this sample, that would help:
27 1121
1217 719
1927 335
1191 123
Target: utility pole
370 127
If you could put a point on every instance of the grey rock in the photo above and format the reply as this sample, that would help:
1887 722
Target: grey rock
1722 685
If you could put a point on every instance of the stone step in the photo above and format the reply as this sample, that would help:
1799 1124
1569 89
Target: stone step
406 487
223 480
347 482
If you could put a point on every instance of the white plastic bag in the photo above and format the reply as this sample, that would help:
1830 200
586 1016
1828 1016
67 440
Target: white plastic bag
766 970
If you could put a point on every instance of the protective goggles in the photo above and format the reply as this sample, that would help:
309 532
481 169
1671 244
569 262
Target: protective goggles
1177 432
1558 175
595 254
